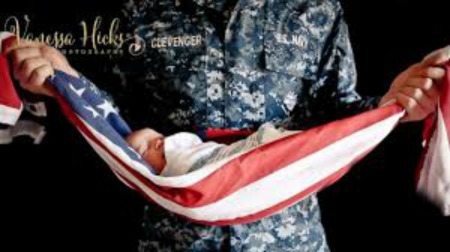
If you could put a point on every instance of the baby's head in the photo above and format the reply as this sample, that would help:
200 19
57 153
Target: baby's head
150 145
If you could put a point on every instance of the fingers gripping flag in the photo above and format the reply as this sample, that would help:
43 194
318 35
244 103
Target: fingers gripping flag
230 191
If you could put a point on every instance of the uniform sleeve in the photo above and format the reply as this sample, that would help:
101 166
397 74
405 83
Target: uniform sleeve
333 95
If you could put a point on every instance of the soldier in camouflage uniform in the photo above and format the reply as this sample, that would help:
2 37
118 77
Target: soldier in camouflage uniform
257 61
238 64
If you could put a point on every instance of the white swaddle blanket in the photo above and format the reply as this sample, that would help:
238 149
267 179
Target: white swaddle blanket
186 152
183 150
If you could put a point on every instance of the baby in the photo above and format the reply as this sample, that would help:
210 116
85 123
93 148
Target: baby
184 152
173 155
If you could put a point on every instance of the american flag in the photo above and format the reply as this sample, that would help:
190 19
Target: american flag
253 184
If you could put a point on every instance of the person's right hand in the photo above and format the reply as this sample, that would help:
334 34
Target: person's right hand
33 63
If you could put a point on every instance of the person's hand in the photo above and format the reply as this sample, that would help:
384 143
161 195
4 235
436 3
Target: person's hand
417 88
33 63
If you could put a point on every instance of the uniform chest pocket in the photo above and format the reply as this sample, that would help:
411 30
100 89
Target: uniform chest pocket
176 41
179 53
293 53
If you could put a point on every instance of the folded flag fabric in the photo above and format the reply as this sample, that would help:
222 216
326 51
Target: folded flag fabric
433 173
258 182
10 104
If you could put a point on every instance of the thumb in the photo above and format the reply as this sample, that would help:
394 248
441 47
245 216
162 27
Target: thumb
438 57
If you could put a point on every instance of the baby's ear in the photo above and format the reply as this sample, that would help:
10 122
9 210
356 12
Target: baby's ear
159 144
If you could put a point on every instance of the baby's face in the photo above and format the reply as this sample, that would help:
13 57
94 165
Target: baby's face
150 145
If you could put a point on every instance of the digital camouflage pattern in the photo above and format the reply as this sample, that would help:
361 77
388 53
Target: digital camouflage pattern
237 64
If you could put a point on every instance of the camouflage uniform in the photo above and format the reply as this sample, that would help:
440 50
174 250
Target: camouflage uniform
237 64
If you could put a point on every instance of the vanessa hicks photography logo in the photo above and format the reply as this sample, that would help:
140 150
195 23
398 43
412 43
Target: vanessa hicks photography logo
94 37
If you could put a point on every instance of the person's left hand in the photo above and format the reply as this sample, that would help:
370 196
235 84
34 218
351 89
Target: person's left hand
33 63
417 88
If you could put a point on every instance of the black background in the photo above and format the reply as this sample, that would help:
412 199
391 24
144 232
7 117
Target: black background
60 197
